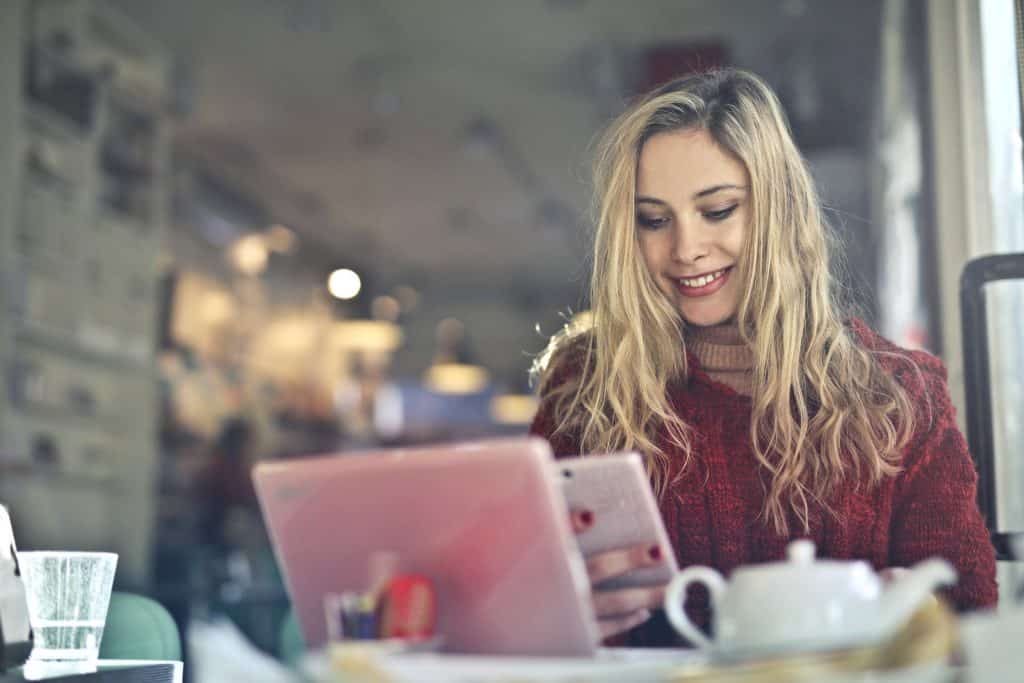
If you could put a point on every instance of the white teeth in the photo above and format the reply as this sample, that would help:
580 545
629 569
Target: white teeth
702 280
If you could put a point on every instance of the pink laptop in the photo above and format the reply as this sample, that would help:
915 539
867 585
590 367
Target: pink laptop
485 521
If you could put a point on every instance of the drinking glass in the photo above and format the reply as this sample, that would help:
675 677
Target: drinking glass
67 594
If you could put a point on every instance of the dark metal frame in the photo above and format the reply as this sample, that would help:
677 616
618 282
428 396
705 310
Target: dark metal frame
977 381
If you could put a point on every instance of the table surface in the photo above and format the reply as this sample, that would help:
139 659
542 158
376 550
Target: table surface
115 671
639 666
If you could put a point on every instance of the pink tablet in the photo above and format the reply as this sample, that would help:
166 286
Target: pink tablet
485 521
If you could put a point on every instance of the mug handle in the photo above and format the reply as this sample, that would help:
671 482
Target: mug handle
675 599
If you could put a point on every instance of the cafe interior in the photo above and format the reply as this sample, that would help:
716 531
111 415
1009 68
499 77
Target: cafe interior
244 231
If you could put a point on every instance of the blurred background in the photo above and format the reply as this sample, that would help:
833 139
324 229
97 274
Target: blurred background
240 230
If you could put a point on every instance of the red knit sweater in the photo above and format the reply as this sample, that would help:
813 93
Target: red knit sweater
711 512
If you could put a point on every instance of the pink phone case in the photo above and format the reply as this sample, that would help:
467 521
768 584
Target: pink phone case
616 489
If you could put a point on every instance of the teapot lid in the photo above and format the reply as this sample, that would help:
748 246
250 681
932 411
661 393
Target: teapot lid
801 551
801 559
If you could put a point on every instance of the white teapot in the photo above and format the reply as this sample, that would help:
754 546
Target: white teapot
802 604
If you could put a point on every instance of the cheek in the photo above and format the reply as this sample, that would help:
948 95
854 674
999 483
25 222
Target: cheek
735 245
733 240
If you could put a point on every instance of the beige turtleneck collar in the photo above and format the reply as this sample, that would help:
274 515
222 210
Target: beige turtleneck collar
723 355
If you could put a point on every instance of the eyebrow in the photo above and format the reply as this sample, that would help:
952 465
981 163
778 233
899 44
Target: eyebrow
703 193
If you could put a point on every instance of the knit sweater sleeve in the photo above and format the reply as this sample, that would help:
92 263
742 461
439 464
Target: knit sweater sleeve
935 511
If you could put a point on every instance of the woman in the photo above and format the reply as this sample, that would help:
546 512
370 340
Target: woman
717 350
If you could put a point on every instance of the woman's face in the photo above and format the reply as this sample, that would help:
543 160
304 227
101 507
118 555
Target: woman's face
692 214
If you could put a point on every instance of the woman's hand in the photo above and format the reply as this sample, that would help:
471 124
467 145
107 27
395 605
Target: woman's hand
890 574
619 610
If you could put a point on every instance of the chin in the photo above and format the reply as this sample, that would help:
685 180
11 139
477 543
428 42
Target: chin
706 318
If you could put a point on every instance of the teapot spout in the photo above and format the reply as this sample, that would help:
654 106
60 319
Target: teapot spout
906 594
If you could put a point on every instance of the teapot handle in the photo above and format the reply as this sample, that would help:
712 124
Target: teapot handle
675 599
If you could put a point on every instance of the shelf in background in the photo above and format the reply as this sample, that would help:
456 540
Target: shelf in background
72 346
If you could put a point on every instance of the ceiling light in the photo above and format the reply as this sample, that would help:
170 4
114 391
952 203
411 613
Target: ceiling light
513 409
344 284
216 307
456 378
408 297
280 239
366 335
449 332
249 254
385 308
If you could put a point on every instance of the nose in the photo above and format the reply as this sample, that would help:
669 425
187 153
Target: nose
689 245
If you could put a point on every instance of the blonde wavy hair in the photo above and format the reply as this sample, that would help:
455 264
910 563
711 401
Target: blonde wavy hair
823 408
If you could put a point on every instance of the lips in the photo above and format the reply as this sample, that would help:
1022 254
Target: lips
703 285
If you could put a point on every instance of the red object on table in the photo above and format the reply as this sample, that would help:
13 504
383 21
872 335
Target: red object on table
408 608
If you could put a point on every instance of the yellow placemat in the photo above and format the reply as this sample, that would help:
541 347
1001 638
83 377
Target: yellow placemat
929 637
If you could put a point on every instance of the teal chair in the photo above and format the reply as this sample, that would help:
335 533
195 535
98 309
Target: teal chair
291 645
139 628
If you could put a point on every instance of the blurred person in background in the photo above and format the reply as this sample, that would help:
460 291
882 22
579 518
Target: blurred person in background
225 489
717 349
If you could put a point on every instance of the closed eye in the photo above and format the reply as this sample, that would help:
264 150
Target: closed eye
720 214
651 222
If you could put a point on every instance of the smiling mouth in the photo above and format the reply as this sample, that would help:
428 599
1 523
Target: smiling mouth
703 280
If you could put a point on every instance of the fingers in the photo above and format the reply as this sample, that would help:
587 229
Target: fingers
607 565
616 625
890 574
581 520
626 601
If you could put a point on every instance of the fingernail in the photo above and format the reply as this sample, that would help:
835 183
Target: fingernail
654 552
587 517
